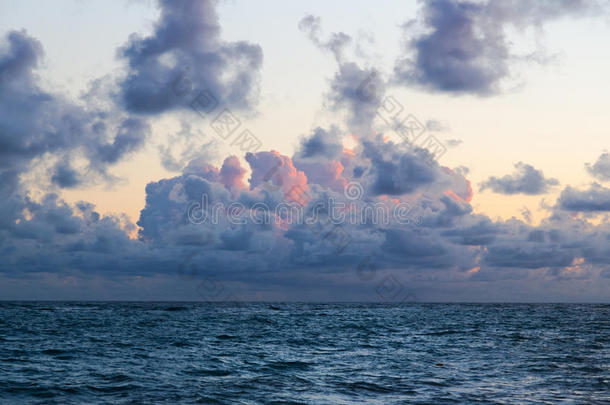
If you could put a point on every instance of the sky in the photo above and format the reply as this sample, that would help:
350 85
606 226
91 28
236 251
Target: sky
437 150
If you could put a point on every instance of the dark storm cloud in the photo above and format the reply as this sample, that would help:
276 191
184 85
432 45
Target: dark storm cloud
186 41
600 169
463 46
596 198
527 180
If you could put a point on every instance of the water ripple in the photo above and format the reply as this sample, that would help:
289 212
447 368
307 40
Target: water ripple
285 353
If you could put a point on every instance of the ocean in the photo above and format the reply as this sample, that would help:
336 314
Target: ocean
300 353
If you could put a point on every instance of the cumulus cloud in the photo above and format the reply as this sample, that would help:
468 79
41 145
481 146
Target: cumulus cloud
596 198
321 143
396 173
447 243
40 125
600 169
527 180
275 169
323 159
461 46
221 220
185 53
272 178
231 173
52 237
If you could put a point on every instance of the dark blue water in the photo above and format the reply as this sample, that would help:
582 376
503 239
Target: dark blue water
63 353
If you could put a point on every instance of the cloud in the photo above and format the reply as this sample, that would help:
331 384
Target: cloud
130 136
322 158
65 176
336 44
39 125
600 169
350 90
527 214
52 237
596 198
354 89
231 173
185 146
321 143
274 169
528 256
447 245
43 132
482 232
396 172
252 247
186 54
221 221
527 180
461 46
435 126
463 52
